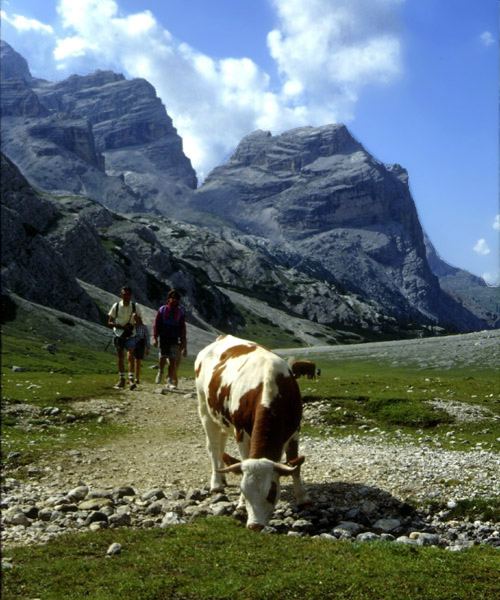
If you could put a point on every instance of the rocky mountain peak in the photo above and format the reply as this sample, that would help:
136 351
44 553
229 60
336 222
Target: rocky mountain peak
92 80
293 149
13 65
98 134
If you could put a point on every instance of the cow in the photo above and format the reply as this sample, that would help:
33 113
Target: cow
303 367
247 389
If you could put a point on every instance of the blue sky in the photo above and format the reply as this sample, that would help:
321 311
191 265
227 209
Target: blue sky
416 81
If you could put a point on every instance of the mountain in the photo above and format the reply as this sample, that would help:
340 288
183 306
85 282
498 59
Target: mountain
471 291
98 135
31 267
307 225
51 244
319 191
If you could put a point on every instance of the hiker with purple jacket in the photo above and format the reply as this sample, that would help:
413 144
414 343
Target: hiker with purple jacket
169 332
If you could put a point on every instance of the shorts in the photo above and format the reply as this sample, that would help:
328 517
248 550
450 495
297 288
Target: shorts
140 349
125 343
169 348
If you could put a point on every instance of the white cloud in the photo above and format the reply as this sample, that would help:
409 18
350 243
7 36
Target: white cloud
487 38
23 24
492 278
482 247
325 51
70 47
496 223
331 49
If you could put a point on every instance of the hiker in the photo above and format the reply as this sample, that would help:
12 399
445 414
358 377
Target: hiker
120 318
141 345
170 330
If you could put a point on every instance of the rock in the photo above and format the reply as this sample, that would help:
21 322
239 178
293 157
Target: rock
114 549
387 525
95 516
79 493
367 536
124 491
119 520
156 493
94 503
171 518
403 539
347 529
222 508
156 507
17 517
425 539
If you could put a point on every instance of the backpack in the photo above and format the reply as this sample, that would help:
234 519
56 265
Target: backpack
129 328
169 324
117 306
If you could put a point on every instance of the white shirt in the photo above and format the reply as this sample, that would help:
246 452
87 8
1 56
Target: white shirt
124 315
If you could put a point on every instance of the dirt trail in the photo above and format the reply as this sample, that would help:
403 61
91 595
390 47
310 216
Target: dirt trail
164 446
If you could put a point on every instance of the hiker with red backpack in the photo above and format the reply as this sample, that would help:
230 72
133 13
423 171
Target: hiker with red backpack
169 331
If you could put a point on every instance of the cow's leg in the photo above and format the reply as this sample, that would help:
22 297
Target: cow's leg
216 441
244 447
292 452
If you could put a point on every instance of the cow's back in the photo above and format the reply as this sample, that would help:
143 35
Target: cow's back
239 380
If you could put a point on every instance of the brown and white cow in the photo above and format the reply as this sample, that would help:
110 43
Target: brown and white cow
244 388
303 367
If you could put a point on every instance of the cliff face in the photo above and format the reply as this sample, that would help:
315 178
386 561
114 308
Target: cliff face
31 267
99 135
320 191
51 243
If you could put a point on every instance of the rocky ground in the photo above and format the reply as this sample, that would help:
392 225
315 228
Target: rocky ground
363 487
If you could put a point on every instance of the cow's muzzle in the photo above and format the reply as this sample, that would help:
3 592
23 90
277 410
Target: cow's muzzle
255 526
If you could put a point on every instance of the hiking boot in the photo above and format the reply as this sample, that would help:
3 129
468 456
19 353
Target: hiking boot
132 385
158 377
120 384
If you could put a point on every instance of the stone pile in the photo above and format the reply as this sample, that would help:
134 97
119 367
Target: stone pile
339 511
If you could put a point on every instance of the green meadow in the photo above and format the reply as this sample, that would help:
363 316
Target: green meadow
217 558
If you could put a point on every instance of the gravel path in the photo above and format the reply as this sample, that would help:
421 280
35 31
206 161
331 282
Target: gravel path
165 447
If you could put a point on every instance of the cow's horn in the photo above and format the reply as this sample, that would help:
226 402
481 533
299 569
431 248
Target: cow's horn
234 468
284 469
293 462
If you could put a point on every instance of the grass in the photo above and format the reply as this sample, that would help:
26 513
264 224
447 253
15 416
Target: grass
363 396
218 559
265 332
55 380
484 509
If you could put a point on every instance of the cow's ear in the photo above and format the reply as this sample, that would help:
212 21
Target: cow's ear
294 462
228 459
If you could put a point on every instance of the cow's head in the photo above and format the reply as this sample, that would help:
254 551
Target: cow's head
260 485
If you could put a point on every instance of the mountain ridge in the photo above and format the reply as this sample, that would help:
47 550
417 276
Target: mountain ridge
306 221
